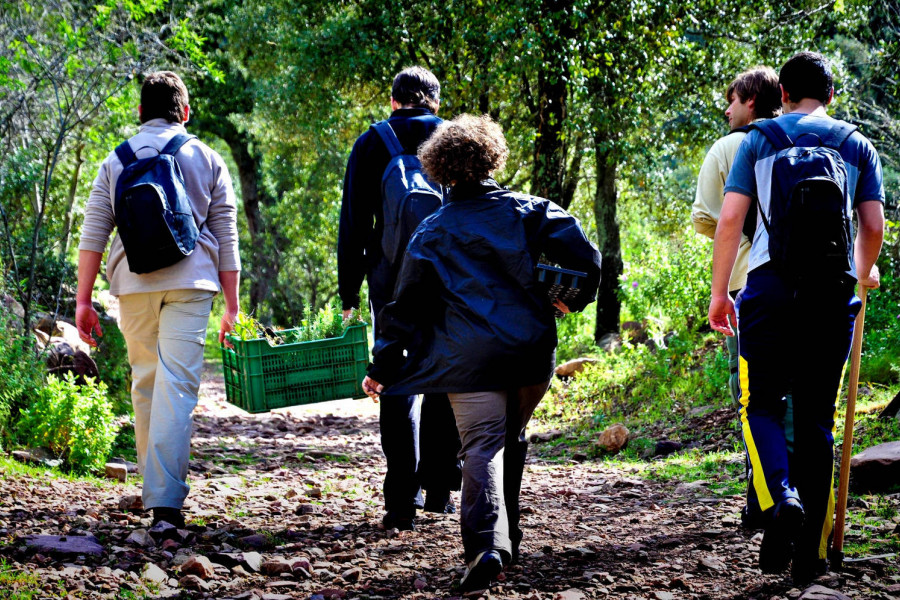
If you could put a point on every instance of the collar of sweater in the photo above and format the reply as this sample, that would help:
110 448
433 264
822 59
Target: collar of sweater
160 125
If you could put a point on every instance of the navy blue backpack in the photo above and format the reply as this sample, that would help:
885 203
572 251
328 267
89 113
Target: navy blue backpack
809 208
152 211
408 196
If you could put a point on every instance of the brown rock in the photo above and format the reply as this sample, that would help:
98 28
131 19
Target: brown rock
131 503
192 582
352 575
576 365
613 438
818 592
876 468
199 566
276 566
117 471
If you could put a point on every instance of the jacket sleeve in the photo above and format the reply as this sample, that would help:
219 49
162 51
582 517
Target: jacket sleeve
222 215
99 220
402 322
562 240
355 228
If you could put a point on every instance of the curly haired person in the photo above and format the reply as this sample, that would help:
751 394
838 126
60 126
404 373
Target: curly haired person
468 319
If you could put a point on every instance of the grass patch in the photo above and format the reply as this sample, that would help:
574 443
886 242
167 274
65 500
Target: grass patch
13 468
18 584
721 469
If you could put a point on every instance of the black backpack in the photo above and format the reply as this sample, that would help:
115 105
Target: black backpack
408 196
152 211
809 208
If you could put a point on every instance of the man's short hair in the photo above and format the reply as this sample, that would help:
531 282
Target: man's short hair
807 75
761 84
465 150
417 86
163 96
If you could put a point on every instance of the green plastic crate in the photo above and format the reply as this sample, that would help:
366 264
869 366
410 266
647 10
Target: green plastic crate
260 377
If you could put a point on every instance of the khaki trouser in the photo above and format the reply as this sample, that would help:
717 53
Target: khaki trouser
165 334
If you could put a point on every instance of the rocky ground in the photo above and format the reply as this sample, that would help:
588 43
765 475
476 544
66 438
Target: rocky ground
288 505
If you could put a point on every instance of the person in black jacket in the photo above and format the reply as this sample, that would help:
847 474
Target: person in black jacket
468 318
415 97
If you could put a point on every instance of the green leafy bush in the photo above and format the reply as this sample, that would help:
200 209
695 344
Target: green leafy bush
74 422
21 373
881 350
112 364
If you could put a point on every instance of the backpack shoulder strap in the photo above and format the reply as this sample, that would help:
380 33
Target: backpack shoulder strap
838 134
125 153
774 133
175 144
743 129
387 135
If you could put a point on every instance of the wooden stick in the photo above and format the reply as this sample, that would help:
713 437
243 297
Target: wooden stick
837 544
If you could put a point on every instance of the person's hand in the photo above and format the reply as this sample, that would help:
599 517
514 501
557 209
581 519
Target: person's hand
346 313
721 307
561 307
372 388
873 281
226 326
87 322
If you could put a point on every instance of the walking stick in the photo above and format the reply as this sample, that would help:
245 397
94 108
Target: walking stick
837 544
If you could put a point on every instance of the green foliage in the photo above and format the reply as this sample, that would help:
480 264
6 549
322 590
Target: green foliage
327 322
112 363
73 421
645 385
881 351
666 281
21 373
18 584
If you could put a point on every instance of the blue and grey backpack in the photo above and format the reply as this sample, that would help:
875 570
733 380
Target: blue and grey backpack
152 211
408 196
809 209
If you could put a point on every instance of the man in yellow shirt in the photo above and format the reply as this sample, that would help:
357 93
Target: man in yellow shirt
753 95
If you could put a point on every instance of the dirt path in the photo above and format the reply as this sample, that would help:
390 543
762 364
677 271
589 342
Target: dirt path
288 505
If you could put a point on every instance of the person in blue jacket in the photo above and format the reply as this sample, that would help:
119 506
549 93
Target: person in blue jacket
469 319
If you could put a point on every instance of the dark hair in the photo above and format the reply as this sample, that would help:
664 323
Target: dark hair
163 96
466 149
417 86
761 85
807 75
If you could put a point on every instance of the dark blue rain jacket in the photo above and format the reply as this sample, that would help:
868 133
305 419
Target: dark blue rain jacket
467 310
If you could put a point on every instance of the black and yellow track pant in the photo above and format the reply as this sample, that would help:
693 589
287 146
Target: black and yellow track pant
794 337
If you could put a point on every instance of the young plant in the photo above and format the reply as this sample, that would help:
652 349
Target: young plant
73 421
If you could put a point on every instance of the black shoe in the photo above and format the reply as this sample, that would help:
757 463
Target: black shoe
481 571
439 502
172 516
803 571
778 540
752 519
402 523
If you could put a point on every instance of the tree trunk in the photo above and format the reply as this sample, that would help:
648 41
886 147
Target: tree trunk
605 198
263 266
549 177
70 206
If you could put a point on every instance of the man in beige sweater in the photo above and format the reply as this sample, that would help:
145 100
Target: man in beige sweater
753 95
164 313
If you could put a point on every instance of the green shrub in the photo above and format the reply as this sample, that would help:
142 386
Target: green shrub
21 373
881 352
112 364
74 422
